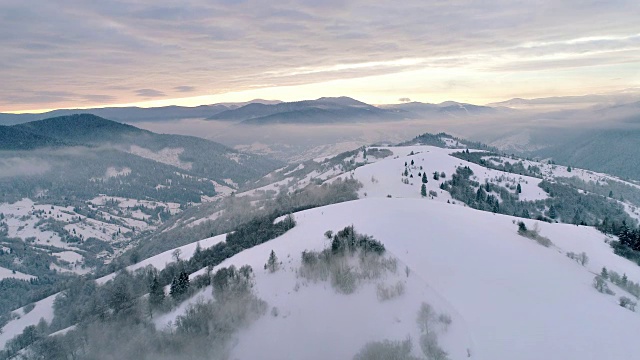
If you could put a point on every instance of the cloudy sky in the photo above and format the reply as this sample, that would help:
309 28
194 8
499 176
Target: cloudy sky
76 53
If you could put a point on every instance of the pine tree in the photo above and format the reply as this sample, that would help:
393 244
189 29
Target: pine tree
604 273
569 168
412 162
519 189
436 175
179 285
552 212
424 178
481 195
423 190
272 263
156 293
610 193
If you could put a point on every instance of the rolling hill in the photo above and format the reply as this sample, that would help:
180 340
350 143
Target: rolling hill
490 291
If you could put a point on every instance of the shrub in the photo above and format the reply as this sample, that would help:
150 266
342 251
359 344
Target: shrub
533 234
625 302
430 347
386 350
600 284
27 309
388 292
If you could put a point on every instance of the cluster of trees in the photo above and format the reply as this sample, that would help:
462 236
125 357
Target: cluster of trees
331 263
628 243
496 163
564 203
204 331
429 323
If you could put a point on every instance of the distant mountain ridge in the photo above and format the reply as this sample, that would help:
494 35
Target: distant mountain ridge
123 114
152 158
322 110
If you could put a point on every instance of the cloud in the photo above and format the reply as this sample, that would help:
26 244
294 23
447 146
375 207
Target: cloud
11 167
185 89
148 93
231 46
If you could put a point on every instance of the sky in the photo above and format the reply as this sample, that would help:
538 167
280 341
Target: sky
76 53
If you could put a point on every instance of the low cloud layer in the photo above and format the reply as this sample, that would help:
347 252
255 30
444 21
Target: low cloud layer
11 167
100 52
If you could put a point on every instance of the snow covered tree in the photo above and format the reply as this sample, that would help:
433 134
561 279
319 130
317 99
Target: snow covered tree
519 189
156 293
179 285
423 190
424 178
436 175
569 168
604 273
272 263
412 162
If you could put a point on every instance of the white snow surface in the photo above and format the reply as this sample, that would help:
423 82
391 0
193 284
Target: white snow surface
43 310
7 273
509 297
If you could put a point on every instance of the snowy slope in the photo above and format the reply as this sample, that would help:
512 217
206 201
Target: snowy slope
384 177
6 273
43 310
509 297
161 260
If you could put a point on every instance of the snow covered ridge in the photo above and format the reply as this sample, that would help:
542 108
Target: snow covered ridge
503 293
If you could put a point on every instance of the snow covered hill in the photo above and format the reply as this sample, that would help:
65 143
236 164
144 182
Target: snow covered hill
493 293
508 297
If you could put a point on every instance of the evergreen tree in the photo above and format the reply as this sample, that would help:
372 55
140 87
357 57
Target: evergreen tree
156 293
552 212
481 195
424 178
412 162
406 172
610 193
604 273
423 190
519 189
569 168
272 263
179 285
436 175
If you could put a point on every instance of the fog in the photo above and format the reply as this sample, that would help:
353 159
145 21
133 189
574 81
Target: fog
509 129
16 166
